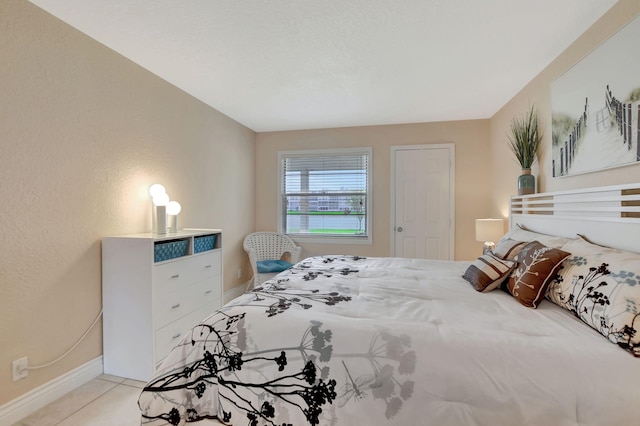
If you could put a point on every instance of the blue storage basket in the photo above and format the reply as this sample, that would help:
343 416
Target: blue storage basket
165 250
204 243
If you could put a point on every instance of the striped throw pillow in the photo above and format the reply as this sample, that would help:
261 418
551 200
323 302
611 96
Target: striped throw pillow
487 272
508 248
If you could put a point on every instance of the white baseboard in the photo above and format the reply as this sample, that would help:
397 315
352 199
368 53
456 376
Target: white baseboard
32 401
238 290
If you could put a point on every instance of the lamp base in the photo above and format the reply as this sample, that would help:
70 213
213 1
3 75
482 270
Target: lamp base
160 222
173 223
488 247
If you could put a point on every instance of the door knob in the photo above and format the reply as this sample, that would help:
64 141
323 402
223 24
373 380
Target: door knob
399 229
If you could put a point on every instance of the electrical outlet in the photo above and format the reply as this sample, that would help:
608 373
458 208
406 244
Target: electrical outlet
239 273
20 368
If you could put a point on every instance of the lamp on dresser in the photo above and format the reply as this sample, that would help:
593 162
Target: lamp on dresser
163 210
159 199
173 209
489 231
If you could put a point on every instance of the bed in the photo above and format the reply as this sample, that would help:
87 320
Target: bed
345 340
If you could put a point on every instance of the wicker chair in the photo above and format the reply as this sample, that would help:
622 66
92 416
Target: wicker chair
268 246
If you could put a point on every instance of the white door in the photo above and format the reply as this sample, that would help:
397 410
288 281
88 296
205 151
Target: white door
423 201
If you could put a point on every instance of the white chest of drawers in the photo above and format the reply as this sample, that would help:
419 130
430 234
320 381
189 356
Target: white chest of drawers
149 303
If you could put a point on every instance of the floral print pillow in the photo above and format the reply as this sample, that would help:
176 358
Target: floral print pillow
601 286
537 266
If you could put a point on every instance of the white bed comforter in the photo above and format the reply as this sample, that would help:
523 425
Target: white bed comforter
341 340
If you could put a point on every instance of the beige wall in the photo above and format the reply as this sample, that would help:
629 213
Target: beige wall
83 133
538 93
472 176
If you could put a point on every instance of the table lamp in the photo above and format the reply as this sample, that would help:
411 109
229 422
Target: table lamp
488 231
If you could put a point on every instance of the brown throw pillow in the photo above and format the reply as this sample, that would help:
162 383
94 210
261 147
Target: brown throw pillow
537 266
488 272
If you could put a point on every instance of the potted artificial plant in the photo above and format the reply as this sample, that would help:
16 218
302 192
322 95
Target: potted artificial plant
524 141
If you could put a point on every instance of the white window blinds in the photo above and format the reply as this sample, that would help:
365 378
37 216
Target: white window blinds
325 194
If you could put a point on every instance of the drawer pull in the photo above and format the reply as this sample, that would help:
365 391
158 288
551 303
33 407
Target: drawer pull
175 276
207 266
175 336
177 305
207 292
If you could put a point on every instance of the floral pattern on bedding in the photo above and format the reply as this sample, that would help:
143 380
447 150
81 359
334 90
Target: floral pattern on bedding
601 286
259 361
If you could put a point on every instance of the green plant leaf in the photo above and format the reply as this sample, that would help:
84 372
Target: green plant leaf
524 139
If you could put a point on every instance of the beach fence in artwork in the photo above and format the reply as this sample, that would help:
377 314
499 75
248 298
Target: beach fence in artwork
619 120
623 113
568 148
595 108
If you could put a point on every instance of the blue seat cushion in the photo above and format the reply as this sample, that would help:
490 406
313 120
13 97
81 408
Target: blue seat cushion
266 266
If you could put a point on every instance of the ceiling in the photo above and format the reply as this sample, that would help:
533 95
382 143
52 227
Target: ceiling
304 64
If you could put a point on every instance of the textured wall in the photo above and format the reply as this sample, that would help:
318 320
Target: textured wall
538 93
472 179
83 133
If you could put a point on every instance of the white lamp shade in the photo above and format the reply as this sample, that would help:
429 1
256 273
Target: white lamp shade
156 189
173 208
489 229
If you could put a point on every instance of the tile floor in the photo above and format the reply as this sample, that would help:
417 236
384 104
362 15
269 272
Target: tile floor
105 400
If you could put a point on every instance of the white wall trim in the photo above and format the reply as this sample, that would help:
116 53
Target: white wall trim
236 291
32 401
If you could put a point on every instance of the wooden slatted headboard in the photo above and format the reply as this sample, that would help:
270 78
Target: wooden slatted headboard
608 215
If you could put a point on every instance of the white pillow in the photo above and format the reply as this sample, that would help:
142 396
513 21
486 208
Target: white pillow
520 234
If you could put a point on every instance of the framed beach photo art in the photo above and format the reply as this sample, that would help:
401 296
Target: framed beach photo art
595 108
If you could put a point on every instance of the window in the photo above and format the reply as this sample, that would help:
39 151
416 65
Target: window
325 195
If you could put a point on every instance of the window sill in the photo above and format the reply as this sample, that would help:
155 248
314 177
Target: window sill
331 240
